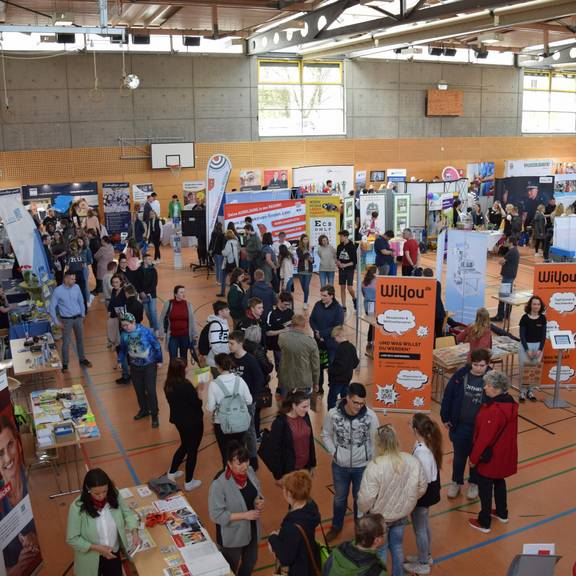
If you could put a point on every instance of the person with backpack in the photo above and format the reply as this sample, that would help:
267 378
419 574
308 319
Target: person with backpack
349 433
263 290
228 400
178 324
428 450
253 248
359 558
252 323
214 336
294 544
248 368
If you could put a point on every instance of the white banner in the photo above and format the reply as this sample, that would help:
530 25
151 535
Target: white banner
23 235
217 175
542 167
312 179
466 273
140 192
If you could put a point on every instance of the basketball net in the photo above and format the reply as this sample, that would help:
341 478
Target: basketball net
175 169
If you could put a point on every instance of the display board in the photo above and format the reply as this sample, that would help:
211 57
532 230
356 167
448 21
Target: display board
21 553
312 179
556 285
372 203
287 216
323 217
465 273
258 196
191 193
276 178
525 193
47 193
250 179
404 343
445 103
116 200
140 193
565 189
528 168
349 213
481 177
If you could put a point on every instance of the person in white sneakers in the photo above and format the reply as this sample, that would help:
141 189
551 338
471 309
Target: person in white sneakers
428 450
186 414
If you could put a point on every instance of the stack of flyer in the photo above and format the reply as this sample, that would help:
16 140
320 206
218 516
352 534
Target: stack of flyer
200 555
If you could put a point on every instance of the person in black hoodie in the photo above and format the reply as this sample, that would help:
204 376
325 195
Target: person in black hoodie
340 371
146 282
291 440
133 305
294 544
186 414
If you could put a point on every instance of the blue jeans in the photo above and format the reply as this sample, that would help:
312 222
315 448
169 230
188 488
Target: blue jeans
335 390
151 313
288 285
218 259
394 543
305 280
343 477
326 278
421 525
179 346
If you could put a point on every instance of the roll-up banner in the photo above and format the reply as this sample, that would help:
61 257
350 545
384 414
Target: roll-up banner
556 285
140 193
466 273
217 175
18 538
116 200
404 343
287 216
24 236
323 218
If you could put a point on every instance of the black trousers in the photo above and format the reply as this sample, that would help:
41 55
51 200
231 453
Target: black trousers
486 488
407 270
110 567
224 439
537 243
82 285
156 242
144 380
242 560
190 438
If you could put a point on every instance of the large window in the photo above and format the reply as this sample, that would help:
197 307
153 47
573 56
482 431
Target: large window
549 102
300 98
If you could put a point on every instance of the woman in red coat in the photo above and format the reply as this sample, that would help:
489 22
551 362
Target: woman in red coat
495 449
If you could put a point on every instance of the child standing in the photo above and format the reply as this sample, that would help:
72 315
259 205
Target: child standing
342 367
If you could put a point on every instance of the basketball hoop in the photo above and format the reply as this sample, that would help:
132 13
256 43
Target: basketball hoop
175 169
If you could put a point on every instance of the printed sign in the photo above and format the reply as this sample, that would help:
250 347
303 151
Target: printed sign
528 168
140 192
288 216
250 179
47 193
116 200
556 285
323 217
192 193
277 178
404 341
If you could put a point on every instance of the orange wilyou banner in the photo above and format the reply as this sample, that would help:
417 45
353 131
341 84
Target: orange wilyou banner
556 285
404 343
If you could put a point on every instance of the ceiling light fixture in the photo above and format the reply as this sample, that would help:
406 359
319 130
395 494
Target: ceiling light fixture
490 38
442 85
131 81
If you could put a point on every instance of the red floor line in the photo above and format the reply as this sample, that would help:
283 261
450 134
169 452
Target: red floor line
547 459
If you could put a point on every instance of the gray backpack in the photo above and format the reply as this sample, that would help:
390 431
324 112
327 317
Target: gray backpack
233 410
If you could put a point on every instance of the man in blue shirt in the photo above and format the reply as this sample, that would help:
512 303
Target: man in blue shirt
141 347
384 255
67 310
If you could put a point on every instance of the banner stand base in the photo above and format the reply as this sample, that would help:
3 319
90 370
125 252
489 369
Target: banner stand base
556 403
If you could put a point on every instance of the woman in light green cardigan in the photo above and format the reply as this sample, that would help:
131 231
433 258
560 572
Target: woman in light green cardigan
98 525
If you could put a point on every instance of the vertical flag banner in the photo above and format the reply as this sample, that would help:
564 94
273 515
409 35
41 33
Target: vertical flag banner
323 217
116 200
24 236
556 285
466 273
404 343
18 538
217 175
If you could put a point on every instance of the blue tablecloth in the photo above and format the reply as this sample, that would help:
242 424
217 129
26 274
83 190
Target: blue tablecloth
34 329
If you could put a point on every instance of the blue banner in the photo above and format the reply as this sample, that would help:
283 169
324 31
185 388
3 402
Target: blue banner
49 192
466 273
116 200
258 196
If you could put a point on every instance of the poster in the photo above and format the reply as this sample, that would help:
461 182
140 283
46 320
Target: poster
370 203
377 175
481 177
18 538
47 193
312 179
528 168
217 175
24 236
140 192
404 341
396 174
360 179
349 213
288 216
565 189
116 200
565 168
323 217
192 192
250 179
556 285
525 193
16 192
465 273
277 178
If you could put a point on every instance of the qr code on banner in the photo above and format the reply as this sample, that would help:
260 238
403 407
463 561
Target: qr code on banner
531 375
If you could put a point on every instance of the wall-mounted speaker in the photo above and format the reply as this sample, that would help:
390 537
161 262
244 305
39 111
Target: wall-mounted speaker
191 40
140 39
434 51
65 38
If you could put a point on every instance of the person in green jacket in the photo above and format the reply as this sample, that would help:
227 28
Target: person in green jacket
359 558
237 294
99 524
175 209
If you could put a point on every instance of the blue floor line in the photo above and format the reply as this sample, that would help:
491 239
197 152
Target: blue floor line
113 430
504 536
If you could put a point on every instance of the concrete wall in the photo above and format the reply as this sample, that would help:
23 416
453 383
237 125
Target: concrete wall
52 103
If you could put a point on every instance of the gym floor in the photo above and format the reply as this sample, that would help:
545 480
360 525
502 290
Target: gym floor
541 499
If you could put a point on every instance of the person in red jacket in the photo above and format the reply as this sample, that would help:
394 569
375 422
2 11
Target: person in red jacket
495 449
